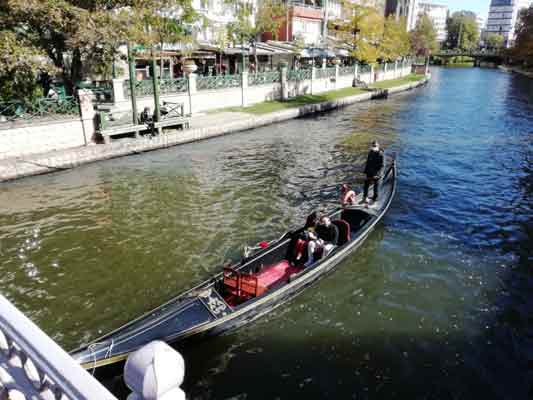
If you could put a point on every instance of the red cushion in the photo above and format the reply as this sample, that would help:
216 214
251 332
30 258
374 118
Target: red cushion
275 273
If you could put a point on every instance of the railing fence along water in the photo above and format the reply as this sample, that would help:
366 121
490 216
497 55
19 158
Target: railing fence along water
347 70
299 74
322 73
102 90
218 82
39 108
365 69
263 78
179 85
33 366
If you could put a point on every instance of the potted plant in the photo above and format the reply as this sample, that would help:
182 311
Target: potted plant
189 66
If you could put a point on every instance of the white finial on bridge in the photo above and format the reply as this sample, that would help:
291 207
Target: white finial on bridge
155 372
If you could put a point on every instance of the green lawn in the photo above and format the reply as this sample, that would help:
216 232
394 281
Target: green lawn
398 82
277 105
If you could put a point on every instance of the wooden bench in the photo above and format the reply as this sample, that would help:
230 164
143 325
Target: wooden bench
183 122
107 133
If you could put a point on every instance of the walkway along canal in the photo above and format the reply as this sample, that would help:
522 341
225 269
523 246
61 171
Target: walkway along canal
435 305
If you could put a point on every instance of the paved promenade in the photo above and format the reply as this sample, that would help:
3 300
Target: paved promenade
202 127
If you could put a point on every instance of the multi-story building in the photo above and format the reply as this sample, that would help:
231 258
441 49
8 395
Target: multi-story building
218 14
303 21
438 13
480 21
502 19
403 8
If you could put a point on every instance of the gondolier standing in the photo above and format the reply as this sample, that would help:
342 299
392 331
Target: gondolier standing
373 169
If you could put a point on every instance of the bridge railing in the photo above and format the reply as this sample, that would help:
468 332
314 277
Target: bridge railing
468 53
33 366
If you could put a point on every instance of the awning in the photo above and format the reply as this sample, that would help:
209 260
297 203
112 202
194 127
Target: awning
261 49
317 53
342 52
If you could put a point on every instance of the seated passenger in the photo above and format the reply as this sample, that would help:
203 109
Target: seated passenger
327 237
312 220
305 236
347 196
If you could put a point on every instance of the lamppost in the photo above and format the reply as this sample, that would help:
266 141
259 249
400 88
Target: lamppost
131 67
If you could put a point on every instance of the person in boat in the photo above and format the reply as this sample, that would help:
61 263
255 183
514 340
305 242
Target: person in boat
306 235
311 222
374 166
327 235
347 196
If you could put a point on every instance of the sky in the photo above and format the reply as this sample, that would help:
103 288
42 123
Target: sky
480 7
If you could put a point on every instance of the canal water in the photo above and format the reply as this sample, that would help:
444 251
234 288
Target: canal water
436 304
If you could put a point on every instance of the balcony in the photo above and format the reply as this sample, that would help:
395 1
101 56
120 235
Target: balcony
303 9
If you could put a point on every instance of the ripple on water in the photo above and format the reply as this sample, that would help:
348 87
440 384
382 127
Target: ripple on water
435 304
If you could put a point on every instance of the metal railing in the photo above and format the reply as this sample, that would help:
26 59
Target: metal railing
166 86
142 88
39 108
179 85
263 78
299 74
322 73
218 82
34 366
364 69
347 70
102 90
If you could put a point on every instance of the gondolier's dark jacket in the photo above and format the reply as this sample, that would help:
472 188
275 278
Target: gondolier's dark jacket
374 163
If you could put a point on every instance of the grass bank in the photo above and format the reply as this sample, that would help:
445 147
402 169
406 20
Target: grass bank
277 105
398 82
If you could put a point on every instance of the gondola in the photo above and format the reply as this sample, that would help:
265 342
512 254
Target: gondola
244 291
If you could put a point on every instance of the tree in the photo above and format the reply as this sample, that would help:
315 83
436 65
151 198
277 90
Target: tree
20 65
424 37
270 17
494 41
395 41
363 29
74 33
248 26
168 22
462 31
523 48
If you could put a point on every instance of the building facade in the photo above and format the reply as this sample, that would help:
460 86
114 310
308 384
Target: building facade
438 13
403 8
502 19
218 13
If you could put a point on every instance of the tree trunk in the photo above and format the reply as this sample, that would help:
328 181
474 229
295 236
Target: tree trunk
75 72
